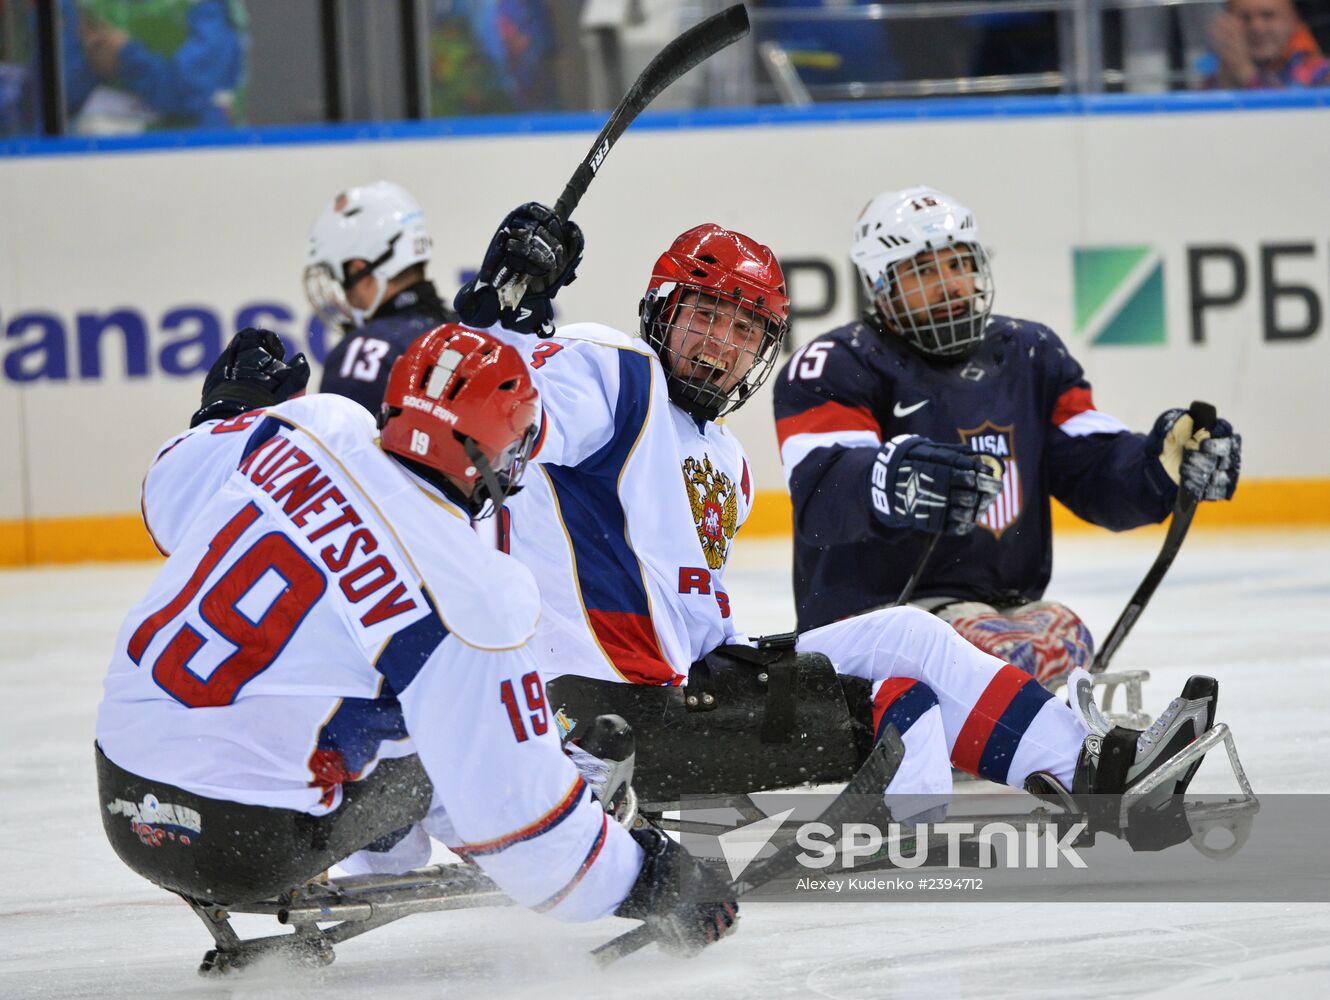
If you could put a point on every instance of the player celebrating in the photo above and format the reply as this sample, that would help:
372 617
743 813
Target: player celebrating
630 560
365 270
326 598
927 376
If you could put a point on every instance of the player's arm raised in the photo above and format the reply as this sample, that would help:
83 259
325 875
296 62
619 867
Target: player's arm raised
535 244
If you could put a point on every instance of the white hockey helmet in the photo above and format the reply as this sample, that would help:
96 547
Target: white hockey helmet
899 226
380 223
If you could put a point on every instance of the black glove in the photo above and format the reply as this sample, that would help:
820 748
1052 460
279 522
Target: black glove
250 374
922 485
1204 463
533 245
687 906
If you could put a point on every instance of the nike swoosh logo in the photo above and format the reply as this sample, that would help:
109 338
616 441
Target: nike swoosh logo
905 411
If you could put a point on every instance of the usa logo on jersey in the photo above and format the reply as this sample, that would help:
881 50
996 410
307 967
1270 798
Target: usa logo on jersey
999 442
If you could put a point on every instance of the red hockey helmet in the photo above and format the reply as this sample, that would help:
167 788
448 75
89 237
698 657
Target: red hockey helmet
462 404
716 312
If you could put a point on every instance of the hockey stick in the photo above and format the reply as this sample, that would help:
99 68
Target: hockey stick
788 640
1203 416
872 778
908 590
690 49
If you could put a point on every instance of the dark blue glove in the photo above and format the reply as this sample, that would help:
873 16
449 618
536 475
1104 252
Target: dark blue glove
532 245
249 374
921 485
1206 465
687 906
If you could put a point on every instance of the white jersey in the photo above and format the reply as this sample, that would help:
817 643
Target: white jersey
322 608
628 518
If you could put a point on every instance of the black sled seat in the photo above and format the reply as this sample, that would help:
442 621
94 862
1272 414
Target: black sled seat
748 720
228 853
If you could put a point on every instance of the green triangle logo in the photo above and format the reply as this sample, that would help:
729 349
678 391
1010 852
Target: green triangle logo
1119 295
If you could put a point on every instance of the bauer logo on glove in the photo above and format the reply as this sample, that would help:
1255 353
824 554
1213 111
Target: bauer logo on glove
927 486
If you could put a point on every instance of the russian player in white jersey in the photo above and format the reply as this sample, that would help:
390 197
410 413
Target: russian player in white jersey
630 559
331 653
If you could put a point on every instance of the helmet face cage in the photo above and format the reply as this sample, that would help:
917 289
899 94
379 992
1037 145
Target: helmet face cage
717 348
379 223
939 300
497 482
327 295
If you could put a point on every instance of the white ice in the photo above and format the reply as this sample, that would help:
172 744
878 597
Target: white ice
1251 609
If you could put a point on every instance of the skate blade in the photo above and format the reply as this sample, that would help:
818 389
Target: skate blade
1131 716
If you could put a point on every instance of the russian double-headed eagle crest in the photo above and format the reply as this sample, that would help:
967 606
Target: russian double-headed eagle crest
715 505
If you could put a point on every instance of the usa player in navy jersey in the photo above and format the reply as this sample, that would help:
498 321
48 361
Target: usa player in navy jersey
365 273
629 521
877 419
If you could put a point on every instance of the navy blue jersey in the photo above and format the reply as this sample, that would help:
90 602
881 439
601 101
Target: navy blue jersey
358 366
1021 397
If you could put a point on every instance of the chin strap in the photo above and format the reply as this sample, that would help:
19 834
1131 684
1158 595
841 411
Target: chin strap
496 493
682 395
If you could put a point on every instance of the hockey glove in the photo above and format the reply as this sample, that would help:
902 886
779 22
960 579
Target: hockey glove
250 374
1205 463
922 485
531 244
687 906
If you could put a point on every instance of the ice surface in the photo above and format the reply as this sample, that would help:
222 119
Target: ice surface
1253 609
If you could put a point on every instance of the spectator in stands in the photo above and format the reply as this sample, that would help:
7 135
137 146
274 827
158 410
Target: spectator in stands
1262 44
15 62
490 56
131 65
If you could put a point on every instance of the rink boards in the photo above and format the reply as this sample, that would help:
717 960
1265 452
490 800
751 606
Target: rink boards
1180 246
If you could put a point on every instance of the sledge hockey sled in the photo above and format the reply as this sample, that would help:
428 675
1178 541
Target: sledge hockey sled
351 906
354 905
767 718
748 720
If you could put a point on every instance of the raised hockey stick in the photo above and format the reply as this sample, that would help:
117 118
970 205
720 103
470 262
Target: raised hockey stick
1203 416
690 49
871 779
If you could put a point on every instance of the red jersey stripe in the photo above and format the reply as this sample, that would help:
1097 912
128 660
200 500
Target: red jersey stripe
973 737
825 418
1075 400
629 640
890 689
552 818
590 860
